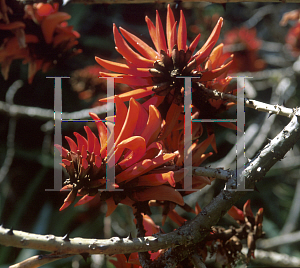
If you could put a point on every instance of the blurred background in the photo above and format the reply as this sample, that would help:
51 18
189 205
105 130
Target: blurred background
263 49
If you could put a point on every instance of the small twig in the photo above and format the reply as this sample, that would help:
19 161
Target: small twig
39 260
10 150
257 105
197 261
292 219
274 259
279 240
47 114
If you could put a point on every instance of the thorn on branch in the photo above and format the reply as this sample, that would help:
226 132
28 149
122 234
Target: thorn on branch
11 231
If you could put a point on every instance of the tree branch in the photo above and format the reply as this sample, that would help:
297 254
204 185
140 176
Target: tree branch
46 114
257 105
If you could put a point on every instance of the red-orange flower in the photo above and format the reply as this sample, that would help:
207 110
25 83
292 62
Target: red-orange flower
136 154
156 71
55 42
246 46
293 39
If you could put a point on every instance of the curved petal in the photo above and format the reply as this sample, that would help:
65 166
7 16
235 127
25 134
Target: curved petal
111 206
157 179
130 122
130 80
170 24
161 39
136 94
215 55
153 125
182 34
137 146
143 167
102 131
122 68
128 53
236 213
50 22
81 141
121 111
194 43
140 45
87 198
72 144
158 193
171 119
90 139
213 38
152 32
210 75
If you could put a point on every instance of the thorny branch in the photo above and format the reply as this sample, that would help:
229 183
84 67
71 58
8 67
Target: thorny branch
185 236
257 105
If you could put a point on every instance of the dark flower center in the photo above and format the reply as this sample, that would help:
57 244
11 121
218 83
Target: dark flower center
165 73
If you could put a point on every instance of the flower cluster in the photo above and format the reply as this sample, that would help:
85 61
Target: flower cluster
40 38
148 156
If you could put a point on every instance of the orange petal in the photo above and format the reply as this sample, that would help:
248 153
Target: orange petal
210 75
64 152
152 128
87 198
130 80
201 57
128 53
121 111
142 120
140 45
138 147
194 44
201 148
72 144
173 37
81 141
69 200
182 34
171 119
197 208
111 206
152 150
236 213
152 32
90 139
161 192
214 36
161 39
175 217
102 131
130 122
122 68
247 209
155 100
136 94
215 55
157 179
170 24
143 167
50 22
